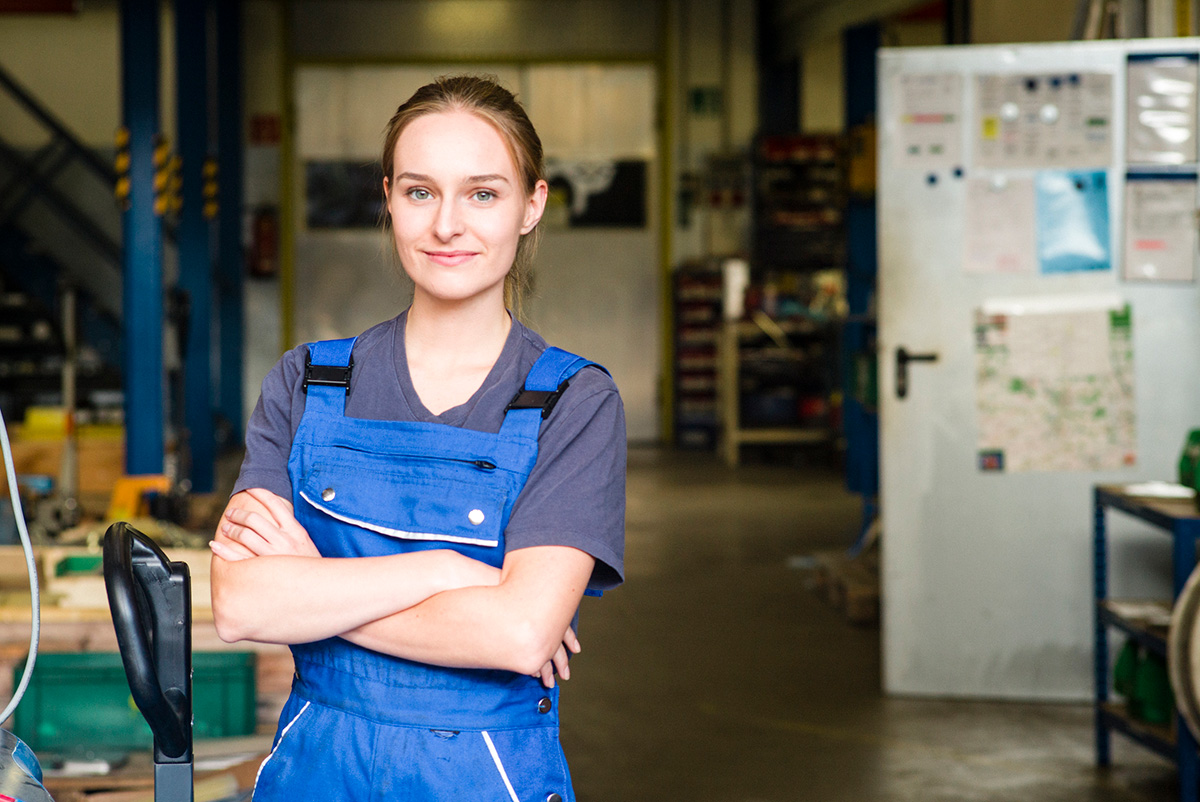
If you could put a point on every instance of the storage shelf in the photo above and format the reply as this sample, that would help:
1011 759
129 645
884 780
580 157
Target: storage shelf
1155 737
1146 630
1180 520
734 358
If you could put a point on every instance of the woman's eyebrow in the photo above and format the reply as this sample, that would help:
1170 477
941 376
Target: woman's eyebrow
471 179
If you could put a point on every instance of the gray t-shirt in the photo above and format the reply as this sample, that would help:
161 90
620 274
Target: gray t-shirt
575 495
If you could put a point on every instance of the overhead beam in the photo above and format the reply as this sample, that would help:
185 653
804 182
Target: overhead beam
803 22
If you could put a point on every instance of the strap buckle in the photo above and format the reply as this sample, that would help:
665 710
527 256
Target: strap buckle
538 399
327 375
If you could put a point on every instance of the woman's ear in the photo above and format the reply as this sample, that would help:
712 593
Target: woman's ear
387 197
535 206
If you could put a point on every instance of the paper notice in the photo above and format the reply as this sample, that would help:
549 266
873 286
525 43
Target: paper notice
1160 228
929 123
1001 225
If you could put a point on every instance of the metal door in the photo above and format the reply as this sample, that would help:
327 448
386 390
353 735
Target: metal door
987 575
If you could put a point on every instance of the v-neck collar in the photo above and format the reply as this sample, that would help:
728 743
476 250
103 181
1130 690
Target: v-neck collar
455 416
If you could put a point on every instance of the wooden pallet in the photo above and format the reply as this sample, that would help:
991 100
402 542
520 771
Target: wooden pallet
849 585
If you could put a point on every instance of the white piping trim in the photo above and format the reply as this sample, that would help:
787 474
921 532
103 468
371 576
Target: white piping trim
500 766
278 743
400 533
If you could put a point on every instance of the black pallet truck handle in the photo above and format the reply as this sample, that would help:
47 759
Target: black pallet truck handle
150 600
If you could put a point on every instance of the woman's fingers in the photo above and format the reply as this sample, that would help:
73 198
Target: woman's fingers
547 674
572 641
274 531
562 662
230 551
279 508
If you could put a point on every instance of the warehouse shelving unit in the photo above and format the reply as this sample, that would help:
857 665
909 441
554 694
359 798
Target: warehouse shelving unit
1179 519
796 362
697 305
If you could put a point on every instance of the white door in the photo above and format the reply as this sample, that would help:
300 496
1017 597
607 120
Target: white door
987 577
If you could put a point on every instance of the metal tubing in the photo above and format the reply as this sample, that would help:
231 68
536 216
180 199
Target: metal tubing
142 235
195 266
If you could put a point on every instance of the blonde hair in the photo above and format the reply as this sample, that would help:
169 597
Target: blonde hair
495 105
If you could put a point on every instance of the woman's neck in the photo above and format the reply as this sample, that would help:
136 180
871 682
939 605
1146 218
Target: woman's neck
451 348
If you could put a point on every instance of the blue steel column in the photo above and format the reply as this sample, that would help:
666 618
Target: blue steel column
860 423
229 220
1100 655
142 239
1184 535
195 266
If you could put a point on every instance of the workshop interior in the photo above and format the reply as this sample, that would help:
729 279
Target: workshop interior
900 297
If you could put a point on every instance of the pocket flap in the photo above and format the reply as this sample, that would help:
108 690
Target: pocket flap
408 506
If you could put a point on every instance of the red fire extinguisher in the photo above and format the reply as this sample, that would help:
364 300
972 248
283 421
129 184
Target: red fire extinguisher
264 242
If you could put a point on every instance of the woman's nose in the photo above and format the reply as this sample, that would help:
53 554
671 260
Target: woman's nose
448 222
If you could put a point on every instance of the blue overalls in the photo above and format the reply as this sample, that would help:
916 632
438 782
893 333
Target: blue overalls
360 725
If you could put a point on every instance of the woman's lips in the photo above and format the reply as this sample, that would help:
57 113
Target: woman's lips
449 258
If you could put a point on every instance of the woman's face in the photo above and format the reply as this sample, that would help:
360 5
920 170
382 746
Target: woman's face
457 206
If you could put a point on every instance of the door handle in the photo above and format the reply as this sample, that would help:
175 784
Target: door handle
903 357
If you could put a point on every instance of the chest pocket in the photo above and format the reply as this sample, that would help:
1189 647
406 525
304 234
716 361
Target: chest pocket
409 504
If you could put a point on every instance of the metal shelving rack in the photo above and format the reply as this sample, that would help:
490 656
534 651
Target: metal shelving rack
1179 519
733 363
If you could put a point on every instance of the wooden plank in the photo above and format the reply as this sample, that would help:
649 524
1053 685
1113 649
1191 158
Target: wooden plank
849 585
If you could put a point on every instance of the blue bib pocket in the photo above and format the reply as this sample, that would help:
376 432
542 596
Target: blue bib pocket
409 505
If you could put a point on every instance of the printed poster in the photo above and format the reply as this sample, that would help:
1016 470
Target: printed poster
1054 385
1072 221
1043 121
999 235
929 130
1160 227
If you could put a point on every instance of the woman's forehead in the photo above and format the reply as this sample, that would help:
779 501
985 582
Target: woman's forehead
454 140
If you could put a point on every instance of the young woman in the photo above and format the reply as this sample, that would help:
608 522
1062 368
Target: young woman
421 508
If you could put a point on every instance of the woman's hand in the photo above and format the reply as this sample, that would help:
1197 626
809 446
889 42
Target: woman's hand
246 533
559 662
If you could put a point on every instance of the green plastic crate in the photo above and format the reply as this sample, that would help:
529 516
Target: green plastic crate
80 701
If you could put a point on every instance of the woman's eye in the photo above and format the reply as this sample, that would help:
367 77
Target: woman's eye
484 195
419 194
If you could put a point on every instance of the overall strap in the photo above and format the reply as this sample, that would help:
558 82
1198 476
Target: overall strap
327 375
544 385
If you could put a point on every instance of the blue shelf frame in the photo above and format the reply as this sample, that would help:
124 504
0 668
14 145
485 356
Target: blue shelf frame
1180 520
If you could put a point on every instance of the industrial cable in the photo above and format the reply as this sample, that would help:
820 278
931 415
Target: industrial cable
35 600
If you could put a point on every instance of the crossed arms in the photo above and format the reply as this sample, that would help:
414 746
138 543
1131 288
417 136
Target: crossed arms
270 584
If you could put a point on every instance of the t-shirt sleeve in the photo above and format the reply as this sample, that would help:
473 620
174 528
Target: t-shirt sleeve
272 427
575 495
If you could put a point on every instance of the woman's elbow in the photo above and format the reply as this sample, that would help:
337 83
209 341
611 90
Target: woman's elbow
230 623
229 627
531 647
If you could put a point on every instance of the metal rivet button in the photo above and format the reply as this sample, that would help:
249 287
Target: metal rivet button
475 517
544 704
327 494
554 798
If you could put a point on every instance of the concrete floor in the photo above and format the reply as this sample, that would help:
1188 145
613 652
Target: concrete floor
716 675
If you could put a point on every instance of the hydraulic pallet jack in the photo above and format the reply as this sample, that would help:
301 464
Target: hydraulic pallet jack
150 599
151 602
